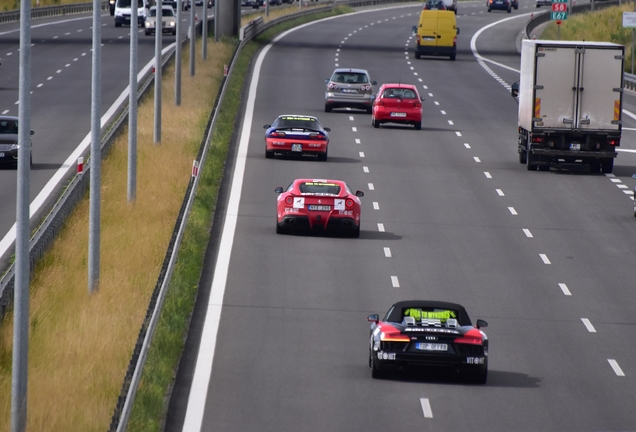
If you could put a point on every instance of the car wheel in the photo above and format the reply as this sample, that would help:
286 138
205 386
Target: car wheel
268 154
595 167
522 157
328 108
369 110
516 7
481 375
509 10
356 232
376 370
418 125
488 9
530 165
174 33
323 157
117 24
280 229
607 166
375 123
31 160
417 55
544 167
147 33
452 57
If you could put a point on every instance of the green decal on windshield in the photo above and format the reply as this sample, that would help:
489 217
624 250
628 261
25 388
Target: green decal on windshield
419 314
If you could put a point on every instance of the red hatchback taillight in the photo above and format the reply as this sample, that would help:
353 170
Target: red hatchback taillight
289 200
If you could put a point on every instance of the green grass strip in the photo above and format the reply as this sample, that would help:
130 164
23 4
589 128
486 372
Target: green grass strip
149 409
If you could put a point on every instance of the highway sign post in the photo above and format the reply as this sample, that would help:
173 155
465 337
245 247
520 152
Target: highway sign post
629 21
560 9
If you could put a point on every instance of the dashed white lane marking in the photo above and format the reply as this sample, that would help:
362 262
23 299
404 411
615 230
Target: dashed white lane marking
67 65
426 408
458 133
565 289
361 154
376 206
419 79
425 87
66 34
39 85
512 211
617 369
527 232
351 118
4 112
615 180
443 112
545 259
476 159
430 94
588 325
621 186
58 71
450 122
467 145
487 174
499 192
395 282
371 187
354 129
49 78
357 140
610 175
436 103
387 252
365 169
381 227
412 67
415 73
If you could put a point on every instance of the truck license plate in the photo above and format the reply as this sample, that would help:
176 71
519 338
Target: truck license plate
575 147
297 147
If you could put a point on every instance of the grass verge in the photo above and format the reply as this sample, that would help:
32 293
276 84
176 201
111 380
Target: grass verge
151 402
605 25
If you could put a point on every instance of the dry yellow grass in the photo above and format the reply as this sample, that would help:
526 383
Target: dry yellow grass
275 12
80 344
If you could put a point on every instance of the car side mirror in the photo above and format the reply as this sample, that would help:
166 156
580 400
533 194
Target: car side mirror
373 318
327 81
422 98
374 83
267 126
514 89
414 29
481 323
457 30
278 190
32 132
359 194
327 129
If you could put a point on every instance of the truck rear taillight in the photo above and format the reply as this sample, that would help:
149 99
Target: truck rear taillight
418 39
538 139
614 142
454 40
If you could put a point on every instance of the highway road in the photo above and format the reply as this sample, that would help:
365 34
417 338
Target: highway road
546 258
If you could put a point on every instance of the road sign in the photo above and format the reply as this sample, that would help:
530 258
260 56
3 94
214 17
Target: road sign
559 22
558 15
629 19
559 7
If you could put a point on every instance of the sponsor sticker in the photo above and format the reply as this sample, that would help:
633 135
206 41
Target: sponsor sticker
385 355
475 360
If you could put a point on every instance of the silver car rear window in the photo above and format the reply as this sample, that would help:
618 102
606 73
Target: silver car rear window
350 78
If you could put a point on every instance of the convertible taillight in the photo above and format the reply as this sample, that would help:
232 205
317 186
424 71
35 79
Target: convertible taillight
289 200
349 203
472 337
393 337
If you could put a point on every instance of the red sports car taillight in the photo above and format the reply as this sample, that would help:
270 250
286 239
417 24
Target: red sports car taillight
349 203
277 134
289 200
332 86
315 136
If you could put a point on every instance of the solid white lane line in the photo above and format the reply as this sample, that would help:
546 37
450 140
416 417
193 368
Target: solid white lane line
381 227
512 211
565 289
361 154
371 187
395 282
545 259
499 192
376 206
487 174
476 159
426 408
365 169
387 252
467 145
617 369
588 325
458 133
357 140
527 232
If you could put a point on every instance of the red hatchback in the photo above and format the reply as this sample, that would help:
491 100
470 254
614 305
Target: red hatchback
397 103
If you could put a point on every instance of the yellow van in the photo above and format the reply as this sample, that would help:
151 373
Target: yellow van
436 34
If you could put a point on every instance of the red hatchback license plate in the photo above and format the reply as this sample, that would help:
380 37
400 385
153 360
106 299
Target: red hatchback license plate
398 114
319 207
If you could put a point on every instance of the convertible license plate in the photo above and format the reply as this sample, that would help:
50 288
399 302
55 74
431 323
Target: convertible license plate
575 147
319 207
431 346
297 147
396 114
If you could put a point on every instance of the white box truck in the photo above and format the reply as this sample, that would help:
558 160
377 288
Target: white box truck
570 96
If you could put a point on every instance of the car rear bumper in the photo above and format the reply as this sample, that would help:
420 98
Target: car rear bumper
285 147
333 223
336 100
384 115
503 6
436 50
401 360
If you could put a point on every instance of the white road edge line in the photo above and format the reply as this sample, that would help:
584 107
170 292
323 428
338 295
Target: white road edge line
426 408
617 369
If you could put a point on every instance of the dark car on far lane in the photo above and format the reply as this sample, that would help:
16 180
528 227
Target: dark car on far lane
9 141
499 5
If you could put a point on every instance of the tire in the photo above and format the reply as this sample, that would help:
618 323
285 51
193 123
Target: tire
530 165
328 108
595 167
509 10
117 24
269 154
480 376
369 110
356 233
279 229
417 55
452 57
418 125
488 9
544 167
607 166
31 160
174 33
376 370
323 156
523 156
147 33
375 123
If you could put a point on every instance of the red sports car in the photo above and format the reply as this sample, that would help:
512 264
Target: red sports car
318 205
296 135
397 103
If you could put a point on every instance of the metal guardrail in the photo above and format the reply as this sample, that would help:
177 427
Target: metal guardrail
629 81
51 11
